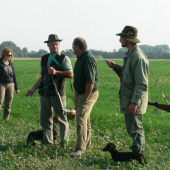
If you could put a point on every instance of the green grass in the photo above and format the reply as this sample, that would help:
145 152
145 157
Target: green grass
107 124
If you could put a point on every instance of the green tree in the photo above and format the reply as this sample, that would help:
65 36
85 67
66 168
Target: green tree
24 52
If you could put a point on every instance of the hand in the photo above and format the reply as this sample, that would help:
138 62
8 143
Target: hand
18 92
132 108
72 112
87 96
30 92
52 71
111 64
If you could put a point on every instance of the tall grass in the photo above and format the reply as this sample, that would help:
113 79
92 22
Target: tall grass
107 123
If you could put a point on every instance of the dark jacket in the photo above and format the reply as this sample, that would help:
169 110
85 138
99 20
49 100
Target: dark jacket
85 71
46 77
7 74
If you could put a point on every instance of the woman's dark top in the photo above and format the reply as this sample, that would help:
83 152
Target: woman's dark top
7 74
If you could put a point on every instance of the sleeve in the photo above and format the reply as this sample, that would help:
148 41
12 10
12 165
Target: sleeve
66 64
14 77
90 70
118 70
140 71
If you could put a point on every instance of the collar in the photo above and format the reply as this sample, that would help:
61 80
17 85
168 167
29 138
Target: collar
130 52
1 61
57 53
82 55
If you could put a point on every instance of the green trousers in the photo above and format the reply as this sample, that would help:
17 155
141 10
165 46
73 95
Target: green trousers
83 111
48 104
135 130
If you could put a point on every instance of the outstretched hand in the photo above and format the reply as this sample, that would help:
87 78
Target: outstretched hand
111 64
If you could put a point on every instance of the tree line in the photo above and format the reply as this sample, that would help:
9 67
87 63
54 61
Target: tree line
152 52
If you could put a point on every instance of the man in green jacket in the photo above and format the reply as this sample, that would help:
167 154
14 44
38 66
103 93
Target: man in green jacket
86 93
134 86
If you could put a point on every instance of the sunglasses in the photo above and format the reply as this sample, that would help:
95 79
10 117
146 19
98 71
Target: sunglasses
9 55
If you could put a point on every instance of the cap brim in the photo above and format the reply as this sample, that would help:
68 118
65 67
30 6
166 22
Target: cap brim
118 34
52 40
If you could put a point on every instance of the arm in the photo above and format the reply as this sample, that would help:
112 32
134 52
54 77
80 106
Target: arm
89 88
67 67
15 79
117 68
91 73
111 64
35 87
64 74
140 70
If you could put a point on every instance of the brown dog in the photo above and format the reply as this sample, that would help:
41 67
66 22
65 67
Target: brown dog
123 156
38 134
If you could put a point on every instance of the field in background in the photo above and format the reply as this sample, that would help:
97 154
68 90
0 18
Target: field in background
107 124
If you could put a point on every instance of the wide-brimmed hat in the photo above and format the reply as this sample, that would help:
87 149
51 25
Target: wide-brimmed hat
52 37
129 33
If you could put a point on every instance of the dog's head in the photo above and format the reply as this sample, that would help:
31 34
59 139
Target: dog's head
33 136
110 147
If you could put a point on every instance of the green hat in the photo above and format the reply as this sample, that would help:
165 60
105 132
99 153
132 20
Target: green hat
130 33
52 37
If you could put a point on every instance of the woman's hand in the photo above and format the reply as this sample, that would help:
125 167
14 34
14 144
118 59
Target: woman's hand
18 92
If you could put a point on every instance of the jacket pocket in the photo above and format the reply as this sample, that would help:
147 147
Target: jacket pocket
126 97
128 81
125 101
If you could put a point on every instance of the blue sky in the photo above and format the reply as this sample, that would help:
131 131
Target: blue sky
29 22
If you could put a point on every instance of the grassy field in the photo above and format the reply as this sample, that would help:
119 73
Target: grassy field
107 124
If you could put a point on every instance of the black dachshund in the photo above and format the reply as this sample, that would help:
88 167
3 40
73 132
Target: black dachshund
38 134
123 156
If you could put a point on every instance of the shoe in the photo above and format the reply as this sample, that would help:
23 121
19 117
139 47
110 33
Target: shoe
77 152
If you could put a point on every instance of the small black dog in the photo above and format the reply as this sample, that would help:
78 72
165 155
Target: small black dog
38 134
123 156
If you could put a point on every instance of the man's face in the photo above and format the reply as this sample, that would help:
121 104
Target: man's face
74 47
54 46
123 41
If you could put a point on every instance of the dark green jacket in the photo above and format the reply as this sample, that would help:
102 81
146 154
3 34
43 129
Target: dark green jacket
85 71
46 77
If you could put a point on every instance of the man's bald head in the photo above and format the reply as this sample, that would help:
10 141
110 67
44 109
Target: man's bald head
81 43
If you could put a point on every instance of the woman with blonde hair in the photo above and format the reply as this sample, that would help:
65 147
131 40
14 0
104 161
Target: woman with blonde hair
7 81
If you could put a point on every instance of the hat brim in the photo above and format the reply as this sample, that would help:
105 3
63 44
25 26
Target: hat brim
51 40
129 38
